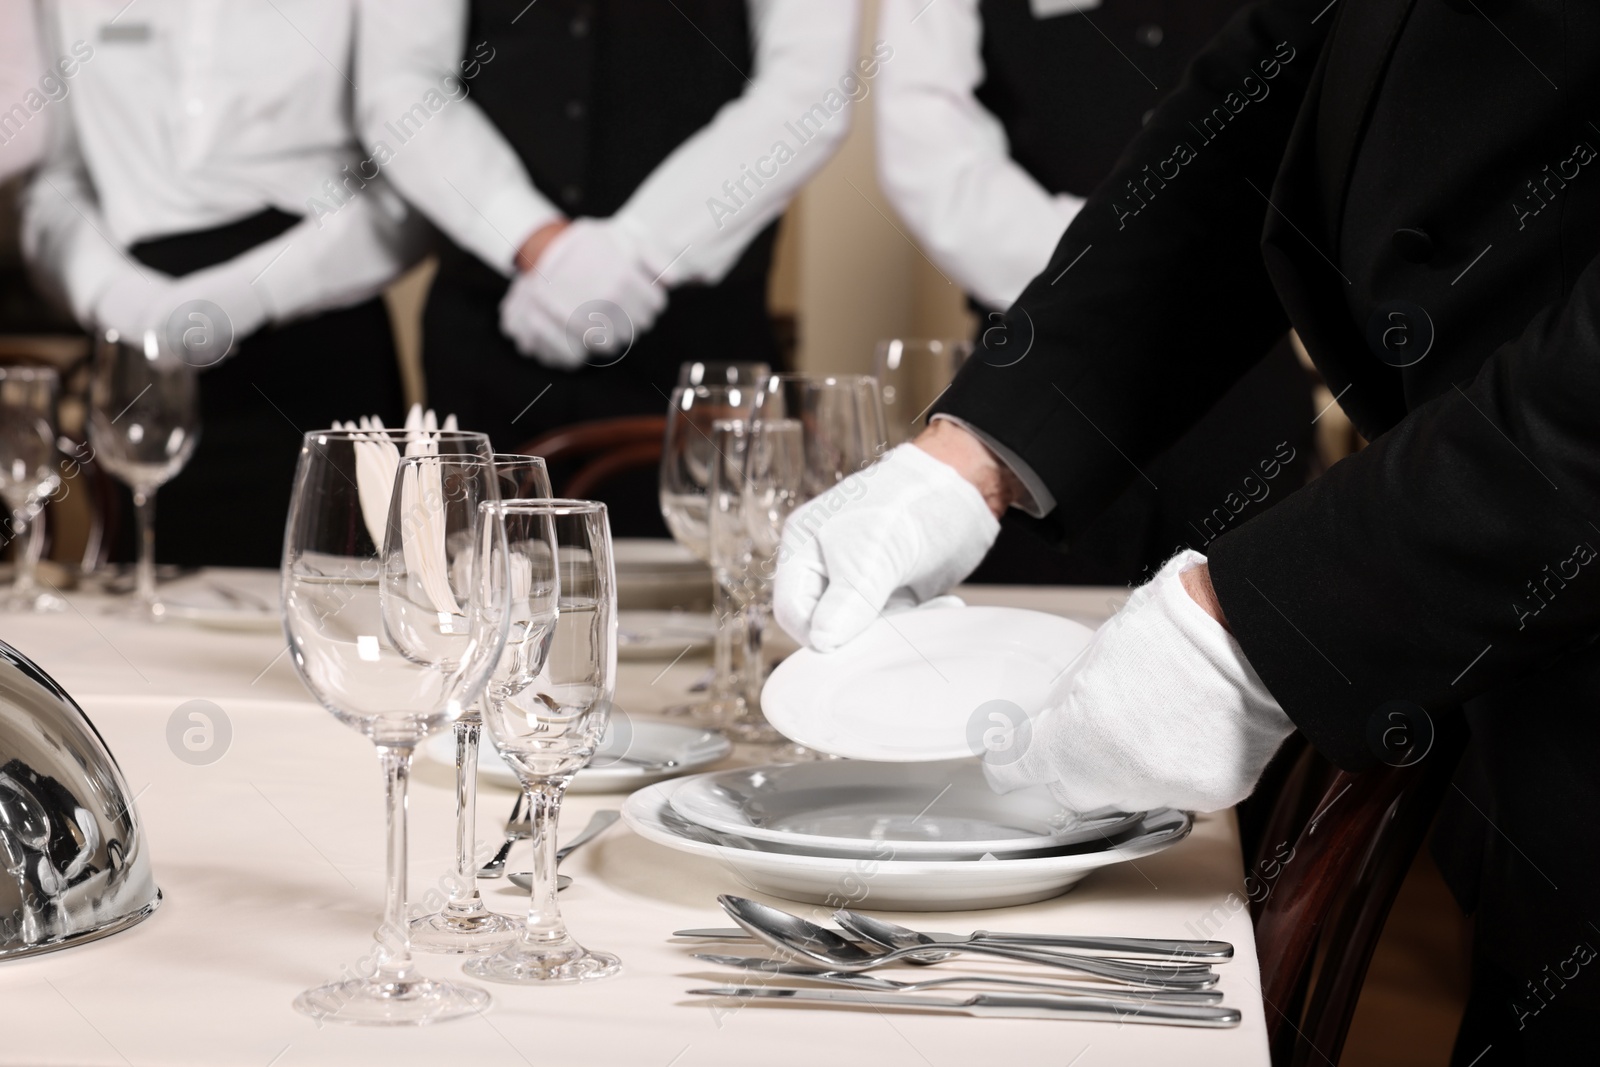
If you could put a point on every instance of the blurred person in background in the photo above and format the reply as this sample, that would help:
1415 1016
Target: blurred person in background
995 120
200 165
612 176
26 88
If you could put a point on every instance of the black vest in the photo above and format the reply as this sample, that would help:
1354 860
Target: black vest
594 94
1073 89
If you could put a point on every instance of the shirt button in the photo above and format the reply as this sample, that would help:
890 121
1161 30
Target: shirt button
1413 244
1150 36
571 194
576 110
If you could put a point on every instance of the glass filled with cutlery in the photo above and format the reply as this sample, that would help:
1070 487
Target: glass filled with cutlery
394 627
549 703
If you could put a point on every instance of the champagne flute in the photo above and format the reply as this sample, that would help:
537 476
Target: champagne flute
144 421
841 430
687 457
28 474
753 489
396 638
911 375
465 924
549 704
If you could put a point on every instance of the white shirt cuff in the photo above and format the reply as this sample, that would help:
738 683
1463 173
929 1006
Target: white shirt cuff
1037 500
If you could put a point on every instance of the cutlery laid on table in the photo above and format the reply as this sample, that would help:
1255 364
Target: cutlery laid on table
793 934
599 823
877 983
994 1005
1151 947
517 828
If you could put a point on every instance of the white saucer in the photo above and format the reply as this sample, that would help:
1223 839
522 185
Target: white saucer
925 684
690 747
943 810
900 885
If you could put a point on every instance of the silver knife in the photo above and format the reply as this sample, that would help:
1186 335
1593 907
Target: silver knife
991 1005
1161 948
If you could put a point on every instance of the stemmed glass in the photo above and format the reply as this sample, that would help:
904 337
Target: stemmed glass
396 640
755 484
28 474
912 374
549 703
144 421
687 457
465 923
841 430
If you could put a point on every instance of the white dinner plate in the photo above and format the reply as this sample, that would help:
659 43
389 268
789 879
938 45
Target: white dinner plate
688 748
901 885
663 634
930 684
943 810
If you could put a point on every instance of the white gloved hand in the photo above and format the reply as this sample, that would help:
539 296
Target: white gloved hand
149 300
592 259
901 532
1165 711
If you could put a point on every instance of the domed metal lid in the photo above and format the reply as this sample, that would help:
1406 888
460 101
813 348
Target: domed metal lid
76 866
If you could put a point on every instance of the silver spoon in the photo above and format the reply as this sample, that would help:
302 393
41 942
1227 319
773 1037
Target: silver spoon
790 933
892 935
871 981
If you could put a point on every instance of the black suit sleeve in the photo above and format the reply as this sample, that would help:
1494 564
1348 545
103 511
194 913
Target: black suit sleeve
1156 300
1455 553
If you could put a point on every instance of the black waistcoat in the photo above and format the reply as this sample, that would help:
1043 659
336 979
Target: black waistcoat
1073 89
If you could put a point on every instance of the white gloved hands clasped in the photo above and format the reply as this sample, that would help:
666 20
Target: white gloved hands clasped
1164 711
897 534
140 300
590 260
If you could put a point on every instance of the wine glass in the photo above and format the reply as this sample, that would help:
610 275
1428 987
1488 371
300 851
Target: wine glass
465 923
911 375
144 421
395 636
687 457
841 429
715 373
754 487
548 707
28 474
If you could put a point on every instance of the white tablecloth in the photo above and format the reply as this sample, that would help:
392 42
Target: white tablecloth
271 863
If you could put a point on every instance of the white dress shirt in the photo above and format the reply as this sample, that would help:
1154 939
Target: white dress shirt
195 113
26 98
943 159
461 173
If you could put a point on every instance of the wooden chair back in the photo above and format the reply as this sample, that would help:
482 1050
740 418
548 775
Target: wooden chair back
586 455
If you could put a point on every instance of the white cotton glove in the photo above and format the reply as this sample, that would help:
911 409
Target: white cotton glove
591 260
140 300
1164 711
897 534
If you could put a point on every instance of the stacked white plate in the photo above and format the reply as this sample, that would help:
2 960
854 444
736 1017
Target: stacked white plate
899 836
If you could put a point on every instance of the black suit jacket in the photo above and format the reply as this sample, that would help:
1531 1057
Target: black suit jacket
1405 182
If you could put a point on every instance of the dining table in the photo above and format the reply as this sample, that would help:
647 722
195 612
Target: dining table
267 843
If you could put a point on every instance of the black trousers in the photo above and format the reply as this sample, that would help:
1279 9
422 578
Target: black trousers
1550 1017
229 504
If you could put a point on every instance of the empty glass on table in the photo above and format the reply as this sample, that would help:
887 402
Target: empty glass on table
465 924
913 373
395 635
715 373
144 421
687 457
29 476
549 703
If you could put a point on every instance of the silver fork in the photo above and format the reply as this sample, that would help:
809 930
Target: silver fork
517 827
